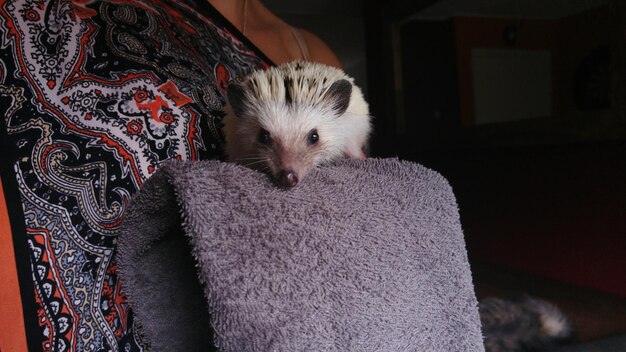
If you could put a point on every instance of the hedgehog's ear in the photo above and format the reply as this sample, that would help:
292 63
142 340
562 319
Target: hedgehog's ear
339 95
237 98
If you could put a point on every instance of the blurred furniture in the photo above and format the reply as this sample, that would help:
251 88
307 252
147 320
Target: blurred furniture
542 194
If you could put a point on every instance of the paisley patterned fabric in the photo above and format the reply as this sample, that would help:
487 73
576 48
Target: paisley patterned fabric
95 95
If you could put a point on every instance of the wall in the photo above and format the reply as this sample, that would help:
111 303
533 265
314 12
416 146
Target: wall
472 32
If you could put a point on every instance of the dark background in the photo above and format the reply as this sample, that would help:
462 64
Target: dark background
544 196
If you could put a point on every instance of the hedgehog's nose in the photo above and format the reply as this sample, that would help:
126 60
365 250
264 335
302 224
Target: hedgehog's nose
288 178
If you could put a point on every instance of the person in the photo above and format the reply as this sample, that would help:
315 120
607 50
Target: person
96 95
273 36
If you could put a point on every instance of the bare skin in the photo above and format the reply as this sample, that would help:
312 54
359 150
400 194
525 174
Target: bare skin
272 35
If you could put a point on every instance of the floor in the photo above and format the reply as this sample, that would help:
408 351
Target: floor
594 314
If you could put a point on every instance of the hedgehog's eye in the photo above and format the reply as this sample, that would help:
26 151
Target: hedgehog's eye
264 137
313 137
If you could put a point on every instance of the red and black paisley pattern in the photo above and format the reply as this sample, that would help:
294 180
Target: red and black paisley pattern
95 95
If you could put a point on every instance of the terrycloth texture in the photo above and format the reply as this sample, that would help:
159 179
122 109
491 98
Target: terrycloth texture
361 256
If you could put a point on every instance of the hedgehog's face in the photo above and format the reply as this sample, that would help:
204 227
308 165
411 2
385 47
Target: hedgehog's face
287 140
288 153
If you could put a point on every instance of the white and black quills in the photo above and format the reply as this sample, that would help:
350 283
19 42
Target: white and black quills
291 118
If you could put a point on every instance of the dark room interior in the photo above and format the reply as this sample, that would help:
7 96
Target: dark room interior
541 189
522 107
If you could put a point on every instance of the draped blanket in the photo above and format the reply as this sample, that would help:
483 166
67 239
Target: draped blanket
363 255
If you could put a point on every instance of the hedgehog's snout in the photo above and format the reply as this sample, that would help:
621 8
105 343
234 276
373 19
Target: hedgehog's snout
288 178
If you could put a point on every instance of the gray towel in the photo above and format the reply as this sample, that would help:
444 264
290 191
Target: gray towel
363 255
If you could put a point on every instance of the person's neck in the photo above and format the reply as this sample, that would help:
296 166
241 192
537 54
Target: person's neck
233 10
258 16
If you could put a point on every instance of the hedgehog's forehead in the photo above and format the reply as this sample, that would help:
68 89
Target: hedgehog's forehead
304 84
291 119
289 90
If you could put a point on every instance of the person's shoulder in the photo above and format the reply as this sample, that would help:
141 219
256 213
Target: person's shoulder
319 51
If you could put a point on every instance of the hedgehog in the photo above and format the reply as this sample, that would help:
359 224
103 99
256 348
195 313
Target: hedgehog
291 118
